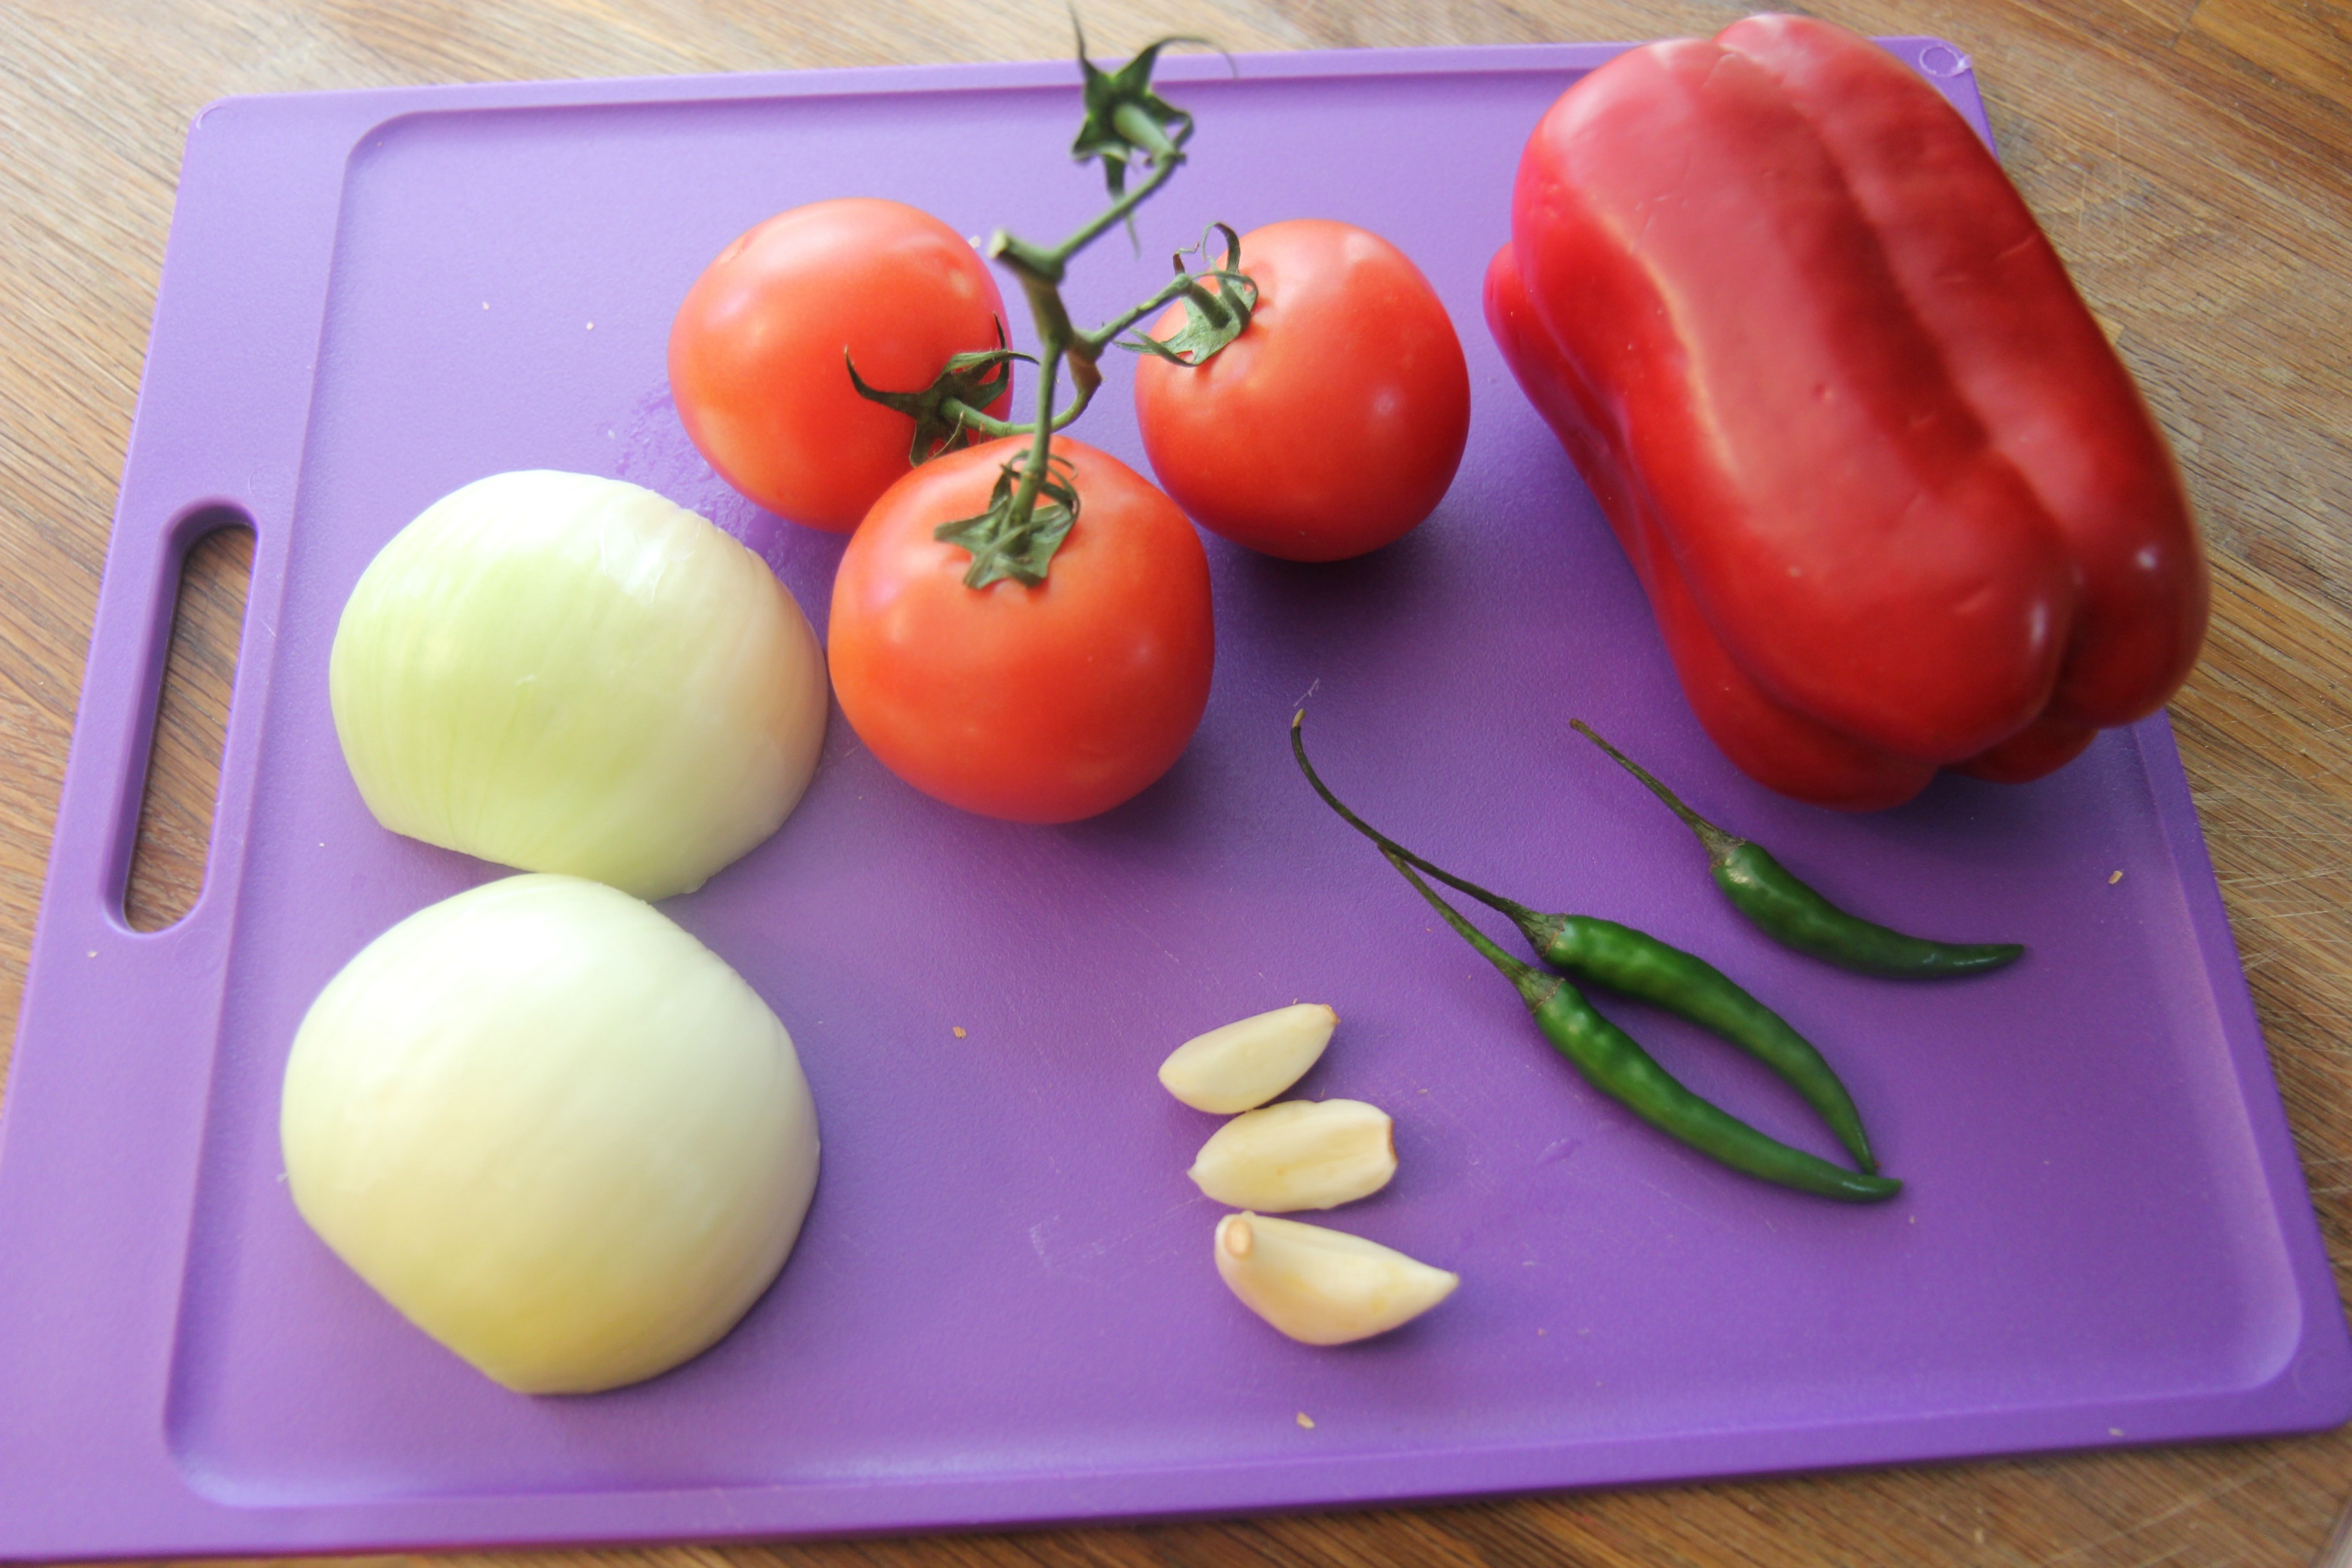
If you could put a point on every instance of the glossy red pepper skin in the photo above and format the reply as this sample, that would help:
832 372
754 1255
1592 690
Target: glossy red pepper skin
1895 502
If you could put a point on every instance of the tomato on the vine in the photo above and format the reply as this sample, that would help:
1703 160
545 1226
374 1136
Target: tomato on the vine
1333 424
1035 704
756 352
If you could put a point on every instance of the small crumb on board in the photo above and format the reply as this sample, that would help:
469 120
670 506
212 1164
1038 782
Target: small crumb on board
1306 1421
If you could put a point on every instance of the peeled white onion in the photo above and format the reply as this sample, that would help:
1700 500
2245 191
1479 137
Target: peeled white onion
567 673
557 1132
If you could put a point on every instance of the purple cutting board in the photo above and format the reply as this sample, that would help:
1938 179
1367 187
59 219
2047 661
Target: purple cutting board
1003 1308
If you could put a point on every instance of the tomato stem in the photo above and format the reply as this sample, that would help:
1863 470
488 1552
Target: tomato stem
1024 510
981 424
1166 158
1126 123
1184 285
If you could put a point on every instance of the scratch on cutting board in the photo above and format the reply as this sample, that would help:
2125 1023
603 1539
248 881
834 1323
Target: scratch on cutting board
1682 1203
1137 927
1073 1262
2196 1498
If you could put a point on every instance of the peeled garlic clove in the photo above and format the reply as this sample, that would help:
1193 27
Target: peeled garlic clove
1245 1064
1323 1287
1300 1154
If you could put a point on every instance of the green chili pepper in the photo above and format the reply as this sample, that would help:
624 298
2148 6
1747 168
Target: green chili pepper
1794 915
1610 1059
1612 1063
1638 964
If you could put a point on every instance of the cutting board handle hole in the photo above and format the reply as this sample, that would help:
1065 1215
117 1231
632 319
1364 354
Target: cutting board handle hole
190 722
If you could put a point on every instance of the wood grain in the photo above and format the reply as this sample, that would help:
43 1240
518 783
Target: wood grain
2192 159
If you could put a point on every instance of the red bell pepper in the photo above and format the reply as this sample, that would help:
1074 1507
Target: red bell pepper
1896 504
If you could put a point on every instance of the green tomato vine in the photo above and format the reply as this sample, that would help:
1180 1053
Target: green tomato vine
1128 127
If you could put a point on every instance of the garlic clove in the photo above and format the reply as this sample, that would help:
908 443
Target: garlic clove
1323 1287
1245 1064
1300 1154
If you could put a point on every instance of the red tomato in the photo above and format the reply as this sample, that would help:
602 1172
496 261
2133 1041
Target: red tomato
755 355
1334 423
1042 704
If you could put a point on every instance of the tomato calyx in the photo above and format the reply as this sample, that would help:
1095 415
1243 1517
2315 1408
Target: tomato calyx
1017 542
1212 318
947 414
1125 119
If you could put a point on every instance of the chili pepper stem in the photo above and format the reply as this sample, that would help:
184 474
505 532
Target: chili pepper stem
1535 987
1519 913
1718 843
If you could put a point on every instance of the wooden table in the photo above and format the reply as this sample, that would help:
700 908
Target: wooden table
2192 159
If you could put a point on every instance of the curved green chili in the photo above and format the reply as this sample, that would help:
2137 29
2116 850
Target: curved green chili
1637 964
1794 915
1610 1061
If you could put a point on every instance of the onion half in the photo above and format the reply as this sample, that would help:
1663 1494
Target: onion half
566 673
557 1132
